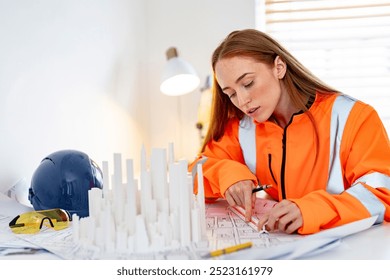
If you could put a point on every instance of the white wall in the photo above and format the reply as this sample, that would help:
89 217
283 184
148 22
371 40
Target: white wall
85 74
195 28
71 77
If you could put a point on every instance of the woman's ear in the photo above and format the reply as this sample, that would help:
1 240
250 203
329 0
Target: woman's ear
280 67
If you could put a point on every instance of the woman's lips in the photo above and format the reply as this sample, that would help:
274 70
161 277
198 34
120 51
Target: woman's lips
252 110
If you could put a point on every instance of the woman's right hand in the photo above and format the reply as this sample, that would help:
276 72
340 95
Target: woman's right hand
240 194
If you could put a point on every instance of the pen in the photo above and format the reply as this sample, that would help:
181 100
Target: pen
261 188
228 250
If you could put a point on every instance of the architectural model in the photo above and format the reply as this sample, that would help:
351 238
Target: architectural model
157 214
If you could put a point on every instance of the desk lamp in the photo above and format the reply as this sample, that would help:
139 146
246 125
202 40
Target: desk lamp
178 77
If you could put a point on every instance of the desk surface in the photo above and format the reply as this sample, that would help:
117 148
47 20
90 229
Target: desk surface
371 244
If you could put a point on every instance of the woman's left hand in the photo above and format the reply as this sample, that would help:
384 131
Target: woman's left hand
285 216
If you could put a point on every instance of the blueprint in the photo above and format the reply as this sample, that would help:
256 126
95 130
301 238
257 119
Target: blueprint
226 226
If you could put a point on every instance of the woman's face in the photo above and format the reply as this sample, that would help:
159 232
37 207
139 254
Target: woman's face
252 86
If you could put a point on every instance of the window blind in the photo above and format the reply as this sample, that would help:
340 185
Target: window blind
346 43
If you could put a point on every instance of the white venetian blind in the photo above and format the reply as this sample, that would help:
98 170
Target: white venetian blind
346 43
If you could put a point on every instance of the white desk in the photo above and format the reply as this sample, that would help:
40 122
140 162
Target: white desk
371 244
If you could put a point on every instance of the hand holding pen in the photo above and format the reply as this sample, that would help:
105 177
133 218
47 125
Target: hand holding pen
261 188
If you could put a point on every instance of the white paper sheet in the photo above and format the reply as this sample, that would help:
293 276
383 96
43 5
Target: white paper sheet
10 208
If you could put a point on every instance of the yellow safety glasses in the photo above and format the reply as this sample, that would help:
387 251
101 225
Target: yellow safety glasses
32 222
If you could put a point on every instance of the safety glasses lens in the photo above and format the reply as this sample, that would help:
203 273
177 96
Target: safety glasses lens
32 222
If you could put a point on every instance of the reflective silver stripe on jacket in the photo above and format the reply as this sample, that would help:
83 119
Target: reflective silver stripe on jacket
369 200
375 180
247 139
341 109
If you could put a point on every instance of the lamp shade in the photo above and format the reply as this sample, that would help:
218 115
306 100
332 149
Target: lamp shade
179 77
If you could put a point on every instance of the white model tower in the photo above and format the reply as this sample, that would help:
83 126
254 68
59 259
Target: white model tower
160 214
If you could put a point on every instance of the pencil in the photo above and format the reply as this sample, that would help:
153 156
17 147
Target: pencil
228 250
261 188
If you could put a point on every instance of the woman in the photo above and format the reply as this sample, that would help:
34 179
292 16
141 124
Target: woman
325 155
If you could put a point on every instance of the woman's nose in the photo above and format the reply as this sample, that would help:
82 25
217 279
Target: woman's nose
243 98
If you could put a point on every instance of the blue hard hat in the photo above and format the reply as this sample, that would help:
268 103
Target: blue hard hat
62 180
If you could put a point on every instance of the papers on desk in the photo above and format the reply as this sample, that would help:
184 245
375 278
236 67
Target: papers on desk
225 229
10 243
309 245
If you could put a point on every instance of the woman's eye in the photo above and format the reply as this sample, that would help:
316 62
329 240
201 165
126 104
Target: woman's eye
248 84
232 95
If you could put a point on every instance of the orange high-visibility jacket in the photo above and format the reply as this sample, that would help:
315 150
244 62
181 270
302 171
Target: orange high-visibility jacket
339 177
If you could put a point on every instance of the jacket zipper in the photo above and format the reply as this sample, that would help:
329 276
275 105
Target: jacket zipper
284 156
270 168
283 167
